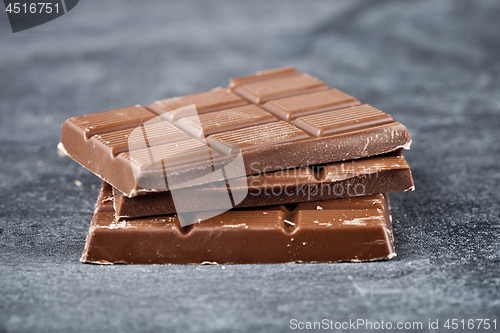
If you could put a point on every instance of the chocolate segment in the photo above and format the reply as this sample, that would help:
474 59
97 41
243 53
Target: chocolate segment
353 229
255 137
379 174
108 121
261 91
134 149
342 121
325 100
208 101
225 120
157 133
263 75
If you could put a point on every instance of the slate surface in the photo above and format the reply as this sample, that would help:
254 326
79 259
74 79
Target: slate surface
433 65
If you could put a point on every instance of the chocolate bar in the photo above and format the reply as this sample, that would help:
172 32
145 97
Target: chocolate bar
371 175
352 229
274 120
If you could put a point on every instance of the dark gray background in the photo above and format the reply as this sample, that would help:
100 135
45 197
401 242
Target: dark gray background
433 65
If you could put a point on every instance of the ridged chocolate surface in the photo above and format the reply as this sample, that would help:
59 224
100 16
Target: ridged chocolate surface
229 119
352 229
304 104
157 133
261 135
262 75
173 153
212 100
371 175
342 120
118 144
112 120
278 87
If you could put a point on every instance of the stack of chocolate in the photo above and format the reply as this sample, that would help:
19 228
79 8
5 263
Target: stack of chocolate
276 168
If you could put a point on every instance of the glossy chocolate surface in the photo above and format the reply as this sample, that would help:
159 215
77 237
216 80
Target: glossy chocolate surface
302 122
371 175
353 229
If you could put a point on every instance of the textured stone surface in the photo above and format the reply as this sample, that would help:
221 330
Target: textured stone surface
433 65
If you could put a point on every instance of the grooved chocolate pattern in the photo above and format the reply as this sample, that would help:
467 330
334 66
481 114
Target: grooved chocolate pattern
343 120
277 87
320 101
208 101
366 176
304 131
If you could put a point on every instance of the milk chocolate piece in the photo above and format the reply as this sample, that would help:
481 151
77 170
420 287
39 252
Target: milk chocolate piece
371 175
213 100
262 75
261 91
342 121
325 100
283 133
353 229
